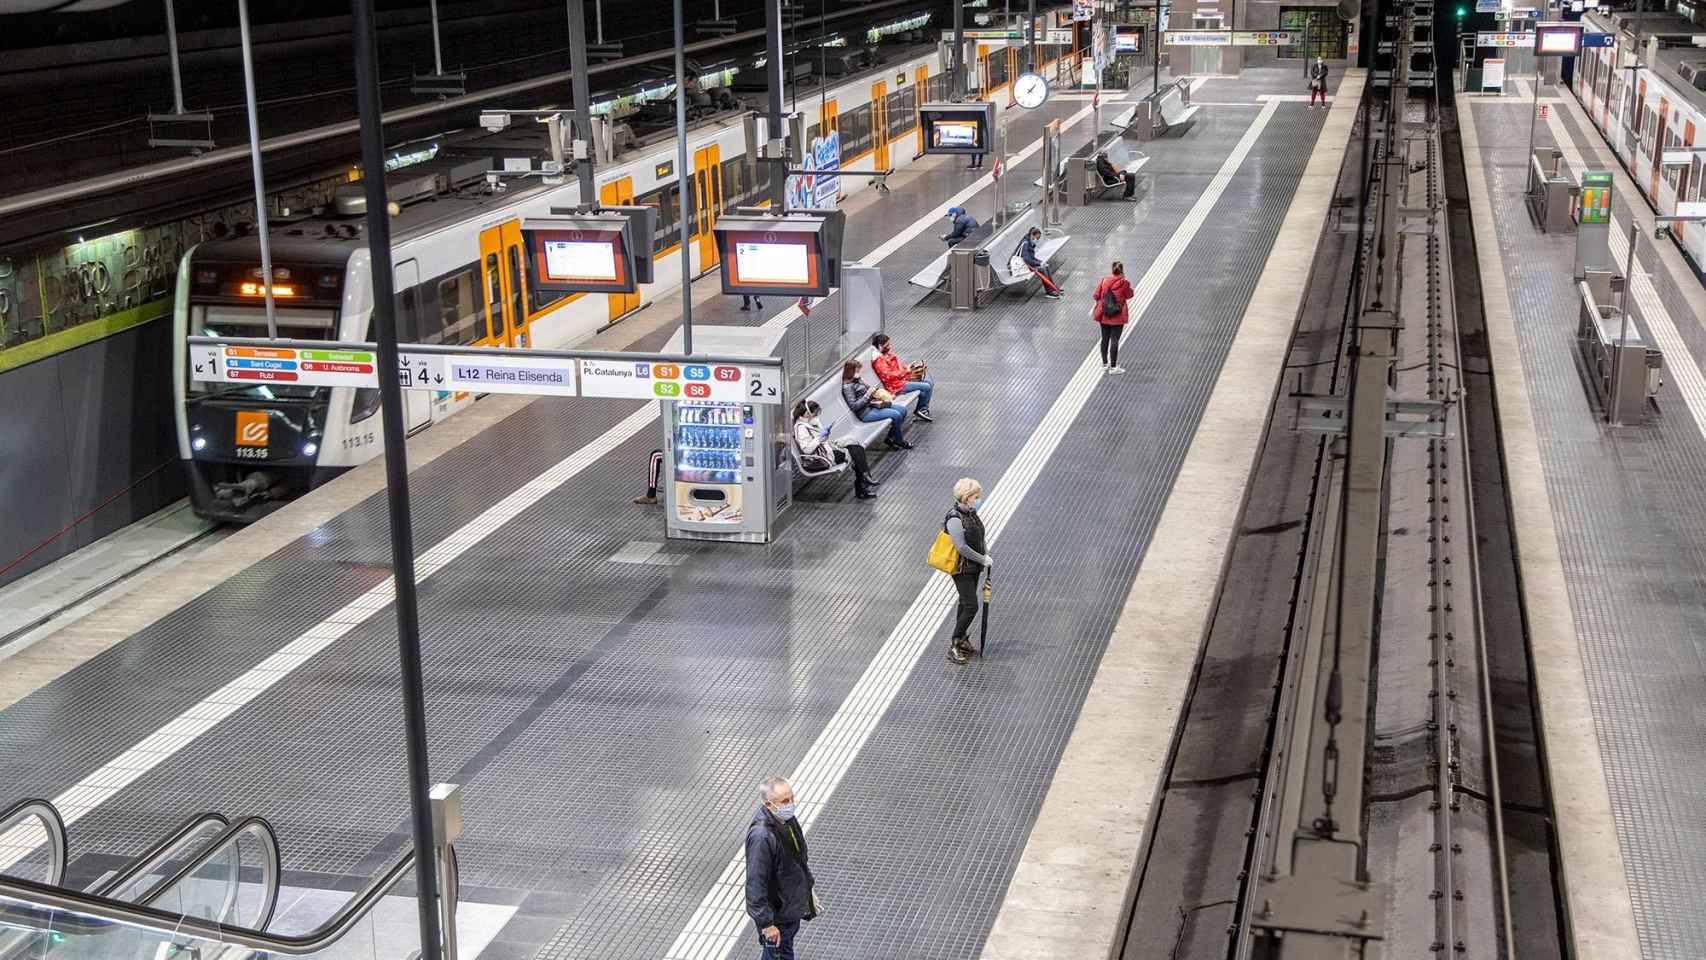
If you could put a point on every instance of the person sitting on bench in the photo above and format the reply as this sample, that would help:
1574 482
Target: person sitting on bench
1026 257
963 226
818 452
1111 174
898 376
873 407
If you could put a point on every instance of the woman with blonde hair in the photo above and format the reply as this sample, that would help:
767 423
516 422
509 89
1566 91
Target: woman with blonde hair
965 528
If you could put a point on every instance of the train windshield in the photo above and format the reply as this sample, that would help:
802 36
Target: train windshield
294 323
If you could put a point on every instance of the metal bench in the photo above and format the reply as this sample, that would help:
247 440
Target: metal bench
1099 185
934 276
845 427
1165 111
1046 252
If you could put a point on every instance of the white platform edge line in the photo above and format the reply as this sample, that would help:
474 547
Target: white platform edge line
1598 910
717 924
1069 893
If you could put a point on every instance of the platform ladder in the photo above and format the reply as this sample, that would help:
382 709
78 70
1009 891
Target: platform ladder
209 888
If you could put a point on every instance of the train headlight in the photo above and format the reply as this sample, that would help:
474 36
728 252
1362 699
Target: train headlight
310 448
199 443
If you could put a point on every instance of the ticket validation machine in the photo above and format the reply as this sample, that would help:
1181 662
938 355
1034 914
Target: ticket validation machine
726 473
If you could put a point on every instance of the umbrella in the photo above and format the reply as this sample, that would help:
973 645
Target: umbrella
983 631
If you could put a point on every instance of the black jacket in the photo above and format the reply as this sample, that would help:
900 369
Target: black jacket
1106 170
778 880
1318 75
963 226
975 538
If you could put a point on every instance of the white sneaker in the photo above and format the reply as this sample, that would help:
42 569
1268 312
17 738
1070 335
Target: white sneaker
1116 369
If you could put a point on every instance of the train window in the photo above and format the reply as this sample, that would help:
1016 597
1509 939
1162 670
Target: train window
734 184
461 307
494 282
855 128
408 316
938 85
693 204
902 109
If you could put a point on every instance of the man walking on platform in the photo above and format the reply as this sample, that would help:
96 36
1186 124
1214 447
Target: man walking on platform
778 881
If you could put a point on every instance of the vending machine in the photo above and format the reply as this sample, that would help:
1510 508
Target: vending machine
726 467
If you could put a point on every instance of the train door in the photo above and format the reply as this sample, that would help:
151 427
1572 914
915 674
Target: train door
880 125
707 201
620 193
502 284
920 93
417 404
1659 146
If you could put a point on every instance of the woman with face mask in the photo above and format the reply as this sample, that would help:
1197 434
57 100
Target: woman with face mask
965 528
1318 83
819 452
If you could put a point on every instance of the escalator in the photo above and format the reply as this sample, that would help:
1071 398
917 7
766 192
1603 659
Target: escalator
208 889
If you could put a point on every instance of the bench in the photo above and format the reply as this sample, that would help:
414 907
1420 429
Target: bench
934 275
1165 111
844 426
1001 245
1176 111
1099 185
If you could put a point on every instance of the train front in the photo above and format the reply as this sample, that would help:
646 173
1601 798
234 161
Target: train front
251 448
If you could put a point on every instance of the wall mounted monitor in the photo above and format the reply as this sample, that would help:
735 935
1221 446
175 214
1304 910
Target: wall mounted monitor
1125 39
582 254
963 129
1557 39
774 256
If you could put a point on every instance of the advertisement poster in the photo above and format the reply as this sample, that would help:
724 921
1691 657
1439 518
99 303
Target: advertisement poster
1083 9
818 190
1493 74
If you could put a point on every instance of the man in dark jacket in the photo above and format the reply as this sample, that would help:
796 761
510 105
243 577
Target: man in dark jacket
778 881
963 226
1111 174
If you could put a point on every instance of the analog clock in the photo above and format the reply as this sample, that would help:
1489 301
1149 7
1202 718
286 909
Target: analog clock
1030 91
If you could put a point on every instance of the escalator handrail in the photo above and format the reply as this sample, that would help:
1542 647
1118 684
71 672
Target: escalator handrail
177 925
52 823
270 868
162 852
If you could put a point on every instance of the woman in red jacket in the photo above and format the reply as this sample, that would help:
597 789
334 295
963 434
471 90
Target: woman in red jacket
1110 315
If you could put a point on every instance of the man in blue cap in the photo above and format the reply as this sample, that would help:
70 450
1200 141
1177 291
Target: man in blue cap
963 226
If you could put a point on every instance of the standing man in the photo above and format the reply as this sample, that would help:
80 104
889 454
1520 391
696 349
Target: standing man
1318 82
778 881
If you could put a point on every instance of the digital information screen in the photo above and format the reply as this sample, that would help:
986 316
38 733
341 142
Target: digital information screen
1125 42
771 256
579 255
961 129
773 263
571 260
1557 41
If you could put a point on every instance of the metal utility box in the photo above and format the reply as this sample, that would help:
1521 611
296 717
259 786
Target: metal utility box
1551 196
726 473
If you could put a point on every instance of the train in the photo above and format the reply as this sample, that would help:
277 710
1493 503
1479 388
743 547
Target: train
459 271
1662 112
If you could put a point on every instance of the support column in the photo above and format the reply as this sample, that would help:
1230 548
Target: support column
957 78
255 166
684 174
578 88
776 134
397 480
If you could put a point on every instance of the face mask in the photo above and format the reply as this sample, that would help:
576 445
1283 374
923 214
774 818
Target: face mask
784 811
977 503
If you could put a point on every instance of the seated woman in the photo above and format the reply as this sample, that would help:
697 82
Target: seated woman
870 408
818 452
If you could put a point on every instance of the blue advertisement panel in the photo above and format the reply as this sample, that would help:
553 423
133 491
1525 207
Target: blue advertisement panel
819 189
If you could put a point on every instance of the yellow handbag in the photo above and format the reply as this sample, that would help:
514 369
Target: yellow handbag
943 556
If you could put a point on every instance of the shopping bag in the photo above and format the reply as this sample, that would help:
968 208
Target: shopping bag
943 556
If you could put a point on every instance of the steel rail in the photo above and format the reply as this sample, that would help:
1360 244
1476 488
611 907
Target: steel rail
52 824
254 827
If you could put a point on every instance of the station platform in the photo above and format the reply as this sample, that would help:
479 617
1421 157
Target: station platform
609 700
1608 527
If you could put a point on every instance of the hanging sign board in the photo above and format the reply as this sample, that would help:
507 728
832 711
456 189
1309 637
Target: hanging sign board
1262 38
1198 38
645 380
1504 39
1061 37
356 365
1493 74
1592 40
1486 6
1694 208
1083 10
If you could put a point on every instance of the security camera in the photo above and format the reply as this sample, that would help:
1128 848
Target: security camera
495 121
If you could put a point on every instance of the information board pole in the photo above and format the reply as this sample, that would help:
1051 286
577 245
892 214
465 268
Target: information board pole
775 136
956 80
582 117
255 166
1031 39
396 476
681 165
1160 17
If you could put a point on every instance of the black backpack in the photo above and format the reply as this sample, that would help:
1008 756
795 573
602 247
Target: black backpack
1110 303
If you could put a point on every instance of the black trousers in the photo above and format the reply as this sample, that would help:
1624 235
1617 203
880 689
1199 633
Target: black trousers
1130 183
861 466
966 583
1111 343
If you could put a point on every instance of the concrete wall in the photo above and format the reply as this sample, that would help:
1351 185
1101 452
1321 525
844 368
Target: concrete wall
80 428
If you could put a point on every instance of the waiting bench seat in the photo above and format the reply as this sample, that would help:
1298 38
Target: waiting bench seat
847 428
1047 250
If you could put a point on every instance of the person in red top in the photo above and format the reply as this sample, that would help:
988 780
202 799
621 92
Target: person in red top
1110 315
896 376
